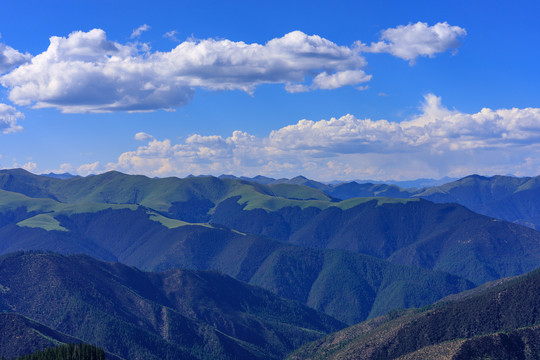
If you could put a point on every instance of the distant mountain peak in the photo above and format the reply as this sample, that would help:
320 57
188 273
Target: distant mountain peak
62 176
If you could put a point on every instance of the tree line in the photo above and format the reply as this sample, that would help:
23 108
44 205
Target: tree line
66 352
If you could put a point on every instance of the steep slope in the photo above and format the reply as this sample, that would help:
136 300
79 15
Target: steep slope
20 335
499 322
171 315
509 345
368 286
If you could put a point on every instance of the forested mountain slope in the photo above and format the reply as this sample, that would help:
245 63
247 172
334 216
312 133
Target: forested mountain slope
367 286
168 315
499 322
20 335
446 237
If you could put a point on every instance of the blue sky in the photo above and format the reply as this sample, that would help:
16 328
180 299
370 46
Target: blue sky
330 90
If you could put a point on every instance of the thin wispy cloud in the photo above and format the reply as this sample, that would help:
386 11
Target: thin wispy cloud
138 31
171 35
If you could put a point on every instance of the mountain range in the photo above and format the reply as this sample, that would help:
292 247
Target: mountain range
349 258
302 180
514 199
138 236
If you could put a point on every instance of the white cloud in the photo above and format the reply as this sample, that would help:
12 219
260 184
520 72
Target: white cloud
339 79
486 129
410 41
88 169
11 58
435 143
296 88
142 136
8 119
138 31
171 35
62 169
86 72
30 166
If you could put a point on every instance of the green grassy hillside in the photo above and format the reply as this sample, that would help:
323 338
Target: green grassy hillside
158 194
168 195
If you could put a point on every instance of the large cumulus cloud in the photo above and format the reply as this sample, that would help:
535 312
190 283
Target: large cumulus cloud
436 142
87 72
